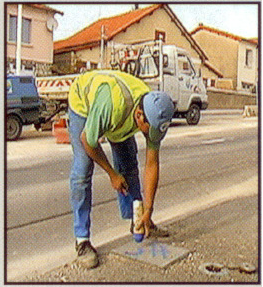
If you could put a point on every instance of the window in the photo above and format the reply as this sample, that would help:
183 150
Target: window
247 86
25 80
249 55
26 30
148 66
213 83
159 35
185 66
12 28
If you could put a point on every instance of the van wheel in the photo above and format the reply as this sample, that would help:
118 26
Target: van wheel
13 127
193 115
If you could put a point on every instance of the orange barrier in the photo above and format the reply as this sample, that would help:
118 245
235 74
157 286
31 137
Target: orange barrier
60 131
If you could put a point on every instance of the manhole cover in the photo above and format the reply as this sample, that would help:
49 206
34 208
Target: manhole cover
155 253
213 269
247 268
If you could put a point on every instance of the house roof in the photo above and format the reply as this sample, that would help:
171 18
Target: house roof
213 68
253 40
90 36
223 33
45 7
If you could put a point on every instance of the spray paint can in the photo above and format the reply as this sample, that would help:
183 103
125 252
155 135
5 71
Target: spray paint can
138 235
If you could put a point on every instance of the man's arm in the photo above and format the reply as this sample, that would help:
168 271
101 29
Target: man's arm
151 177
97 154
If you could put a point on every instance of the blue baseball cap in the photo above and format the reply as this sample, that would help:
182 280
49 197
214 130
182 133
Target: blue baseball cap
159 110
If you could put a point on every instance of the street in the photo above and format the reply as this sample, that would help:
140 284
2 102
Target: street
197 164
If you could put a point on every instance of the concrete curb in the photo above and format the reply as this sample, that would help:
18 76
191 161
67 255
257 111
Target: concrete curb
222 112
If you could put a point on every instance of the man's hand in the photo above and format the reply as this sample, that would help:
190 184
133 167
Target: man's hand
151 176
119 183
97 154
146 222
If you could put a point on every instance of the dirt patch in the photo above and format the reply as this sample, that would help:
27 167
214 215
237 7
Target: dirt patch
226 234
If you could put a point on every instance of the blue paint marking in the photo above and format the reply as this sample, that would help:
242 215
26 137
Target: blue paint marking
155 250
164 251
140 251
159 250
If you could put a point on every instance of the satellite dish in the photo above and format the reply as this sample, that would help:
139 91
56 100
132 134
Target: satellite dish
52 24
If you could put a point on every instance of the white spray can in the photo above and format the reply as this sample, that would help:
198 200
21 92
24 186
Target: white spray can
138 235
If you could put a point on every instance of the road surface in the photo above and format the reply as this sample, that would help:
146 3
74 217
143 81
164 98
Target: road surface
196 163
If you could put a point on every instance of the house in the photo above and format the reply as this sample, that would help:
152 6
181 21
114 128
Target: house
136 26
38 24
234 56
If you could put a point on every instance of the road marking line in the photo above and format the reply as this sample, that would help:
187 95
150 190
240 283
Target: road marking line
213 141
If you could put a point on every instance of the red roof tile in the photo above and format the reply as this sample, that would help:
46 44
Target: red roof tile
91 35
253 40
222 33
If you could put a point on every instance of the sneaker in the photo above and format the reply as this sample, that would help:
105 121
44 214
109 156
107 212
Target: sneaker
154 231
87 253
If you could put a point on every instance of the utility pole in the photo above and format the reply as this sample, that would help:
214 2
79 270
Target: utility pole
102 44
19 39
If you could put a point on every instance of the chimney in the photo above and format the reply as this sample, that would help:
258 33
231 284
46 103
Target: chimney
136 6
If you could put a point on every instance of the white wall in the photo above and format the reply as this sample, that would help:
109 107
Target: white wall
247 74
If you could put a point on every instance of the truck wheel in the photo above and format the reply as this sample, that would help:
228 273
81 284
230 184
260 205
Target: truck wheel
193 115
13 127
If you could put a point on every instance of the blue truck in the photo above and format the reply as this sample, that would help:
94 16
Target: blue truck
23 105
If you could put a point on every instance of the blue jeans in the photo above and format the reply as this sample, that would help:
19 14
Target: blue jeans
125 162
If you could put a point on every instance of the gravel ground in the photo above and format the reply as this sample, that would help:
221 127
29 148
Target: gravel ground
226 234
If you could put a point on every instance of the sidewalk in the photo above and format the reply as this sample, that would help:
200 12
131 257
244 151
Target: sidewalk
222 112
226 234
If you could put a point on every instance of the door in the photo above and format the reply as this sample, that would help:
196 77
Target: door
169 71
187 80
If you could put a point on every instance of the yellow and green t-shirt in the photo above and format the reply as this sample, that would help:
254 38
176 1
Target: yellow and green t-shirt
108 100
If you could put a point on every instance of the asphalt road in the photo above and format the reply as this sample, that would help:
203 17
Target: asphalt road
219 153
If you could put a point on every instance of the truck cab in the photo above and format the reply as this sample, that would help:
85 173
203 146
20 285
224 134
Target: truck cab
166 68
23 104
184 84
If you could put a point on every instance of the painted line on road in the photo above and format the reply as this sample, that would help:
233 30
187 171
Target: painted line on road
199 131
17 157
213 141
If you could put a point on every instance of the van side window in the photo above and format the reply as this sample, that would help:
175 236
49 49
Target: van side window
185 66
